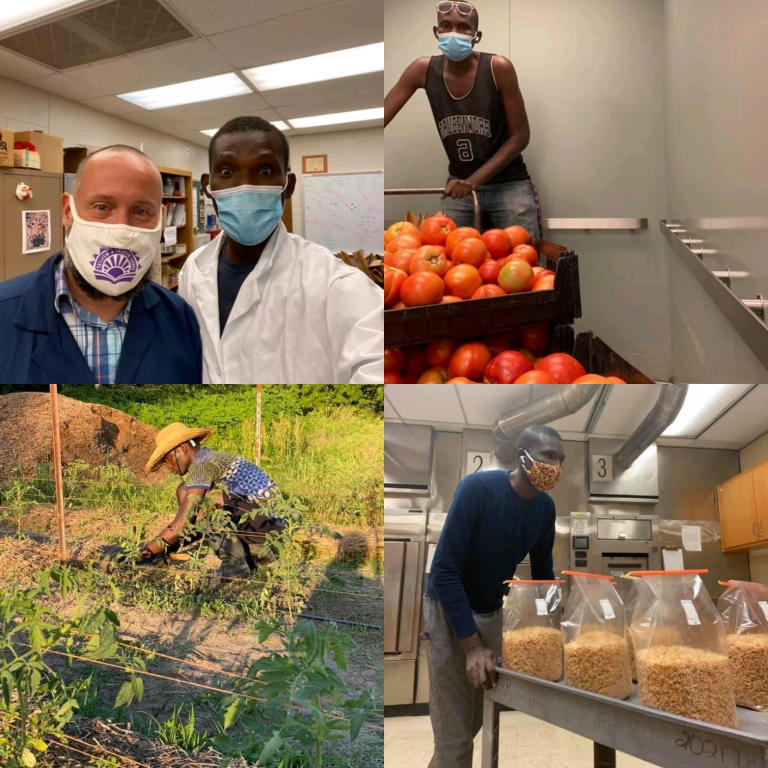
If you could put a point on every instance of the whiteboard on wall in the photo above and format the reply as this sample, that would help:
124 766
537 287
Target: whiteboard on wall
344 211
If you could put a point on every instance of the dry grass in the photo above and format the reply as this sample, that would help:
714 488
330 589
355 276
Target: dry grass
689 682
748 655
598 661
534 651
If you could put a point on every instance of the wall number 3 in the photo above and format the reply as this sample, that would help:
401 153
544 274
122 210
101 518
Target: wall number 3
602 468
465 150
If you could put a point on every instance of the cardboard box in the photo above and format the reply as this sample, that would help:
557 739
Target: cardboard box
6 148
51 149
23 158
73 156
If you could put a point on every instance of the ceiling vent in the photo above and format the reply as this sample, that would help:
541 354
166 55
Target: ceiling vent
116 28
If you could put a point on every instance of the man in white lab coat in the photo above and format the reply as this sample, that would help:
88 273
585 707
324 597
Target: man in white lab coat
273 307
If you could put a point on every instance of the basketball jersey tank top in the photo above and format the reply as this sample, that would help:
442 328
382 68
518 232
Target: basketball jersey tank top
474 127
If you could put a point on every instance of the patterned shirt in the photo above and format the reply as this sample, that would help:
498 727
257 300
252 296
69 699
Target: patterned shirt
99 341
237 475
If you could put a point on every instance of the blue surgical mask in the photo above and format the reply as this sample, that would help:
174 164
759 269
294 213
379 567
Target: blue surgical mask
248 213
455 46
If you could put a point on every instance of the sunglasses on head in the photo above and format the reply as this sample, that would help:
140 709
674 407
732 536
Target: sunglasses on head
463 8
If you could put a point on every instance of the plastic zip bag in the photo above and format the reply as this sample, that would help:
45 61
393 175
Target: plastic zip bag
744 608
681 650
630 607
531 640
594 637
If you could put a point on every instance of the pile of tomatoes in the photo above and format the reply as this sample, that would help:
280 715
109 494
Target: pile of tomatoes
510 358
443 263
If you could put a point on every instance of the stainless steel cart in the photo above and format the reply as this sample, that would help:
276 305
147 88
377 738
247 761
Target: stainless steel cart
626 726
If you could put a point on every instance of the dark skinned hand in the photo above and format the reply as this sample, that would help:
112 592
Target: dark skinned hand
481 667
458 188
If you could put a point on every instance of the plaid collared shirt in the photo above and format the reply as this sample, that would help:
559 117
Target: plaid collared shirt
99 341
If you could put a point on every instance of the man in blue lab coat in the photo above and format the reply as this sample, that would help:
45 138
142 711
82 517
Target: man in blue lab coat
90 314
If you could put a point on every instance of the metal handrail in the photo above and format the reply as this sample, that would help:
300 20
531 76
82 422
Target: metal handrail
746 315
439 191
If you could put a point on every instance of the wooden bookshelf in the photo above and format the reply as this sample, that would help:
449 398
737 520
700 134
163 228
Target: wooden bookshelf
185 233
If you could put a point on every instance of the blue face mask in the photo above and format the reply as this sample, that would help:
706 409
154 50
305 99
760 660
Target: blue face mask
249 214
455 46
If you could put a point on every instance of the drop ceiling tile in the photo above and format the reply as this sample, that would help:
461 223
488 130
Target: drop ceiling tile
210 112
20 68
340 95
66 87
112 105
342 127
333 27
235 14
745 422
146 117
484 404
625 408
190 60
419 402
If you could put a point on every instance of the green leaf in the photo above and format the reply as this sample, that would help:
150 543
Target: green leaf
138 688
6 692
28 759
232 714
38 745
270 748
356 723
125 696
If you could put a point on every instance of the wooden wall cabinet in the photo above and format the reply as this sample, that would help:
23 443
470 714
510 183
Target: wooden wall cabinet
743 508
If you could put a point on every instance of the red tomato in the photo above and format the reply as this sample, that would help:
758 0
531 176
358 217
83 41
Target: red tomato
516 276
543 273
564 368
497 342
462 281
392 378
433 376
450 299
393 281
536 338
498 242
394 359
615 380
400 228
438 353
472 251
536 270
518 236
460 380
399 305
504 261
402 259
462 233
591 378
527 353
489 270
408 379
527 253
406 240
429 258
546 283
422 288
469 360
415 361
537 377
487 291
506 368
436 229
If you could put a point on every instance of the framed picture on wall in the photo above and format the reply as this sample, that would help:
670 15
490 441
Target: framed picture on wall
314 164
36 229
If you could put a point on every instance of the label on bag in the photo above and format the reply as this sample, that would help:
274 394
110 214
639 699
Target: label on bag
607 609
764 606
690 612
541 607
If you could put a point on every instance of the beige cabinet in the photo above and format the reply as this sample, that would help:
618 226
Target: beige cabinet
743 509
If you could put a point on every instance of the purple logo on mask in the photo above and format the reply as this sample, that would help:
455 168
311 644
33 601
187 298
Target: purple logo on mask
116 265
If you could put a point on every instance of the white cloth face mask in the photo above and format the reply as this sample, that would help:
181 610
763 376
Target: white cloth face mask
113 258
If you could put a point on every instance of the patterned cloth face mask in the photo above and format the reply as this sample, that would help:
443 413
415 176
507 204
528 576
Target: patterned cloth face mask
543 476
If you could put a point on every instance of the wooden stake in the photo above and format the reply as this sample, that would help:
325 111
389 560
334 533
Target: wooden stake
258 424
57 470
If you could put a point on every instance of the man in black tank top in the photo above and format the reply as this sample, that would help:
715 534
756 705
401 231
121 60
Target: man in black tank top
480 117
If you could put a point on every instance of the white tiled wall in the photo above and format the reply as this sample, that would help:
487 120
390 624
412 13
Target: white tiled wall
754 454
23 108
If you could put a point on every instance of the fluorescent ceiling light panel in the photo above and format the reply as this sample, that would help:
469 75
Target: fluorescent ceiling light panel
314 69
14 13
191 92
340 117
278 124
703 404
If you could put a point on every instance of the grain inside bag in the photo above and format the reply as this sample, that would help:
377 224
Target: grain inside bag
531 642
681 649
744 608
594 637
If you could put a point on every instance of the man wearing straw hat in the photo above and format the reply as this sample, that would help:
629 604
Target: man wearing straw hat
237 485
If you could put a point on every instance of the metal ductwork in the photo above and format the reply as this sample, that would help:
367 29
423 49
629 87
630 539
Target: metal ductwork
561 403
663 413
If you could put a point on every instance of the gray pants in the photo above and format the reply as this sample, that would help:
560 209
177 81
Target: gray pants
455 705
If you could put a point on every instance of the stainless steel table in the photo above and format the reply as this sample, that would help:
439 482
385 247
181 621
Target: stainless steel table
626 726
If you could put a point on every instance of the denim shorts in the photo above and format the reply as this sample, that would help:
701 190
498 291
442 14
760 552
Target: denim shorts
501 206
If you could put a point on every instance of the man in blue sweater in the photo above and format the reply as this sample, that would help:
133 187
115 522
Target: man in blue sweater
495 520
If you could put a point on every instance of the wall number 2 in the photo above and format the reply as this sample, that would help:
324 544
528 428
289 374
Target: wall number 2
602 469
477 461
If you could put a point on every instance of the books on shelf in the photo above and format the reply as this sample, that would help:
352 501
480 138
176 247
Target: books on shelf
174 214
